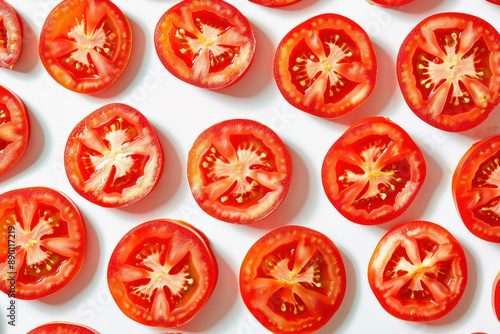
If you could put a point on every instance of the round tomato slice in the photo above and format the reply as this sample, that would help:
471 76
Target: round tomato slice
206 43
476 189
373 172
293 280
274 3
326 66
14 129
418 271
85 44
62 328
449 70
162 272
43 242
11 35
389 3
239 171
496 296
113 157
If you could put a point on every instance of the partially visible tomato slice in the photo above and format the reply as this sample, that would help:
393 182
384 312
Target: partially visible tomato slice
449 70
43 234
418 271
206 43
496 296
11 35
496 2
85 44
274 3
239 171
389 3
372 173
62 328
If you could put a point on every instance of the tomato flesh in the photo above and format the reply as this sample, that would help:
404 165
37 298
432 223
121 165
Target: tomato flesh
11 35
62 328
496 296
388 3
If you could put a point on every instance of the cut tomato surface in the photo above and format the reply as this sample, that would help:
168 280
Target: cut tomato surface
14 129
274 3
206 43
293 280
11 35
449 70
113 157
162 272
326 66
418 271
389 3
372 173
85 44
496 296
476 189
239 171
62 328
43 242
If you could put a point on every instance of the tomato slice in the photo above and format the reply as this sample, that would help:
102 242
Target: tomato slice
449 70
274 3
11 35
62 328
496 296
43 242
206 43
162 272
239 171
326 66
85 44
113 157
372 173
418 271
389 3
476 189
14 129
293 280
496 2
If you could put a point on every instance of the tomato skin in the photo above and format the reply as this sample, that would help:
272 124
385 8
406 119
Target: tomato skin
496 2
388 3
182 48
451 98
347 177
309 87
274 3
273 172
62 328
11 50
425 260
195 279
56 241
496 296
14 129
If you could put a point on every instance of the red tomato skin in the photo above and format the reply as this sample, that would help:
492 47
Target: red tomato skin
8 59
496 296
62 328
496 2
274 3
388 3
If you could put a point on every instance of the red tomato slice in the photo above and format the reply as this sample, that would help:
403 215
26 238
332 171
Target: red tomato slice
418 271
476 189
274 3
11 35
496 2
43 242
113 157
206 43
449 70
85 44
239 171
14 129
373 172
326 66
293 280
496 296
162 272
62 328
389 3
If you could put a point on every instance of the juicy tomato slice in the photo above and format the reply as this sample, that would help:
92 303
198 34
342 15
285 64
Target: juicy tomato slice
11 35
14 129
274 3
418 271
113 157
239 171
43 242
85 44
476 189
449 70
293 280
389 3
62 328
206 43
326 66
162 272
372 173
496 296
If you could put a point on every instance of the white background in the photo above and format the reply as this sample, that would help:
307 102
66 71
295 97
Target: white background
180 112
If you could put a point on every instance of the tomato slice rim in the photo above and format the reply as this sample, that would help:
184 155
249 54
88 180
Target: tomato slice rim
10 50
495 296
62 327
274 3
389 3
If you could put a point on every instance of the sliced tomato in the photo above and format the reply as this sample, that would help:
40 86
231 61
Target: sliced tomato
496 296
449 70
326 66
239 171
206 43
162 272
274 3
11 35
113 157
85 44
389 3
476 189
418 271
62 328
372 173
43 242
496 2
14 129
293 280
